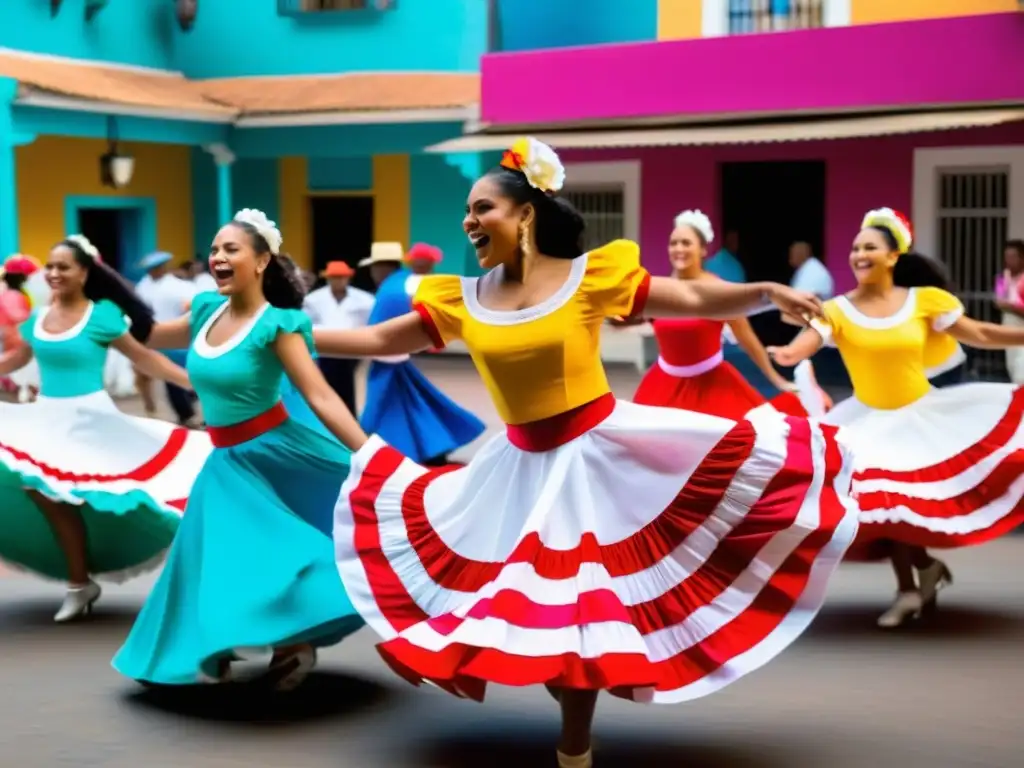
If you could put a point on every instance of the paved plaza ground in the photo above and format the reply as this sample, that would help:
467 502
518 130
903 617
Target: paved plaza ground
945 695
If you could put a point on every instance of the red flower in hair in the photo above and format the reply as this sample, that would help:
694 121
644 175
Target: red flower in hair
906 222
512 160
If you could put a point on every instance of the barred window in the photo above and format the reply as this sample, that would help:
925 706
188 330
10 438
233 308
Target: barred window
973 222
748 16
603 210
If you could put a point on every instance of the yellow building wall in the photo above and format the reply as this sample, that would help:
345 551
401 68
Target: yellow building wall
679 19
53 167
390 194
877 11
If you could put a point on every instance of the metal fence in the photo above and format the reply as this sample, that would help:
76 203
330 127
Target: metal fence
748 16
973 219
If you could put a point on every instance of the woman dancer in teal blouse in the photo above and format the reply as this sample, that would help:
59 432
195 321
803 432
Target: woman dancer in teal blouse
249 568
86 490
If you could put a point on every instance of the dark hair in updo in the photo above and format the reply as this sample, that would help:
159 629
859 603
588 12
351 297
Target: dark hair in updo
283 286
558 226
14 282
913 269
103 282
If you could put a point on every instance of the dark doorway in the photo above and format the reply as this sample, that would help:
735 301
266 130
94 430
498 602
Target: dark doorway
771 206
116 233
343 231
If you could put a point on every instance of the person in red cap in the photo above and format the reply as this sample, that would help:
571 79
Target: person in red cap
422 258
15 306
338 305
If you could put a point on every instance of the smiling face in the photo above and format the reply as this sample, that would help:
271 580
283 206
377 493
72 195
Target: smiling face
872 258
65 276
234 262
686 250
493 223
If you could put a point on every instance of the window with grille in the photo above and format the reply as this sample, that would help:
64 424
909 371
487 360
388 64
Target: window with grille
603 210
973 220
748 16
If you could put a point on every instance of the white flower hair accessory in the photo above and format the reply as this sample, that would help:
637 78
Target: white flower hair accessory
894 222
87 247
268 229
699 222
538 162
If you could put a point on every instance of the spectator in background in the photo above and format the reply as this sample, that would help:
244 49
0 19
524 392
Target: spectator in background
726 264
170 297
1010 301
339 306
809 273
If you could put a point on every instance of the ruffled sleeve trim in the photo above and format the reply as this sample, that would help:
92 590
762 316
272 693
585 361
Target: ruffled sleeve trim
439 303
277 321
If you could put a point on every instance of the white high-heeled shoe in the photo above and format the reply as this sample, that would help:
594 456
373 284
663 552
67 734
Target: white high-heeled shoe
932 580
78 602
907 606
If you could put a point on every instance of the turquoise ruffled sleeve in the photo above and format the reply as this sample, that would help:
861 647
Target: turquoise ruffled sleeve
276 321
107 323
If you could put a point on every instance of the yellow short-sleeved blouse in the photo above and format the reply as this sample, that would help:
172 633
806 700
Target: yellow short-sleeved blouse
886 356
543 360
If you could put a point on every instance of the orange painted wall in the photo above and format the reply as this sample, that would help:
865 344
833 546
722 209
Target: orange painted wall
53 167
679 19
877 11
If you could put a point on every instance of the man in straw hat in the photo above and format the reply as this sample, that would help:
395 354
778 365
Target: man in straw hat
338 305
402 406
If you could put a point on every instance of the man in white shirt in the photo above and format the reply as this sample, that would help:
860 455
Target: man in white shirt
338 305
810 274
169 297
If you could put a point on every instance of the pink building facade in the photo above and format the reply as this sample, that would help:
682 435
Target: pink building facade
785 136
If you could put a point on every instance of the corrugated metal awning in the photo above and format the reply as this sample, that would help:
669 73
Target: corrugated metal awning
750 133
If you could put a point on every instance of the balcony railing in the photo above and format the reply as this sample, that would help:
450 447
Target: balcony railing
301 7
747 16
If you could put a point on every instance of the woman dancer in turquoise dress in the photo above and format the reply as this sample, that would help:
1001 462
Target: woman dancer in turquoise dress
249 568
86 490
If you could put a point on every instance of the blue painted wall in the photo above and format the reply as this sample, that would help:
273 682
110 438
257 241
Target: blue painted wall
531 24
136 32
432 35
254 184
438 188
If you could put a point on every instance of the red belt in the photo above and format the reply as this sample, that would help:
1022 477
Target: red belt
548 434
236 434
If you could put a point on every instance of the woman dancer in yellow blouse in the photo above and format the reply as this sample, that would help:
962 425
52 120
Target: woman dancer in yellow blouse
934 467
595 544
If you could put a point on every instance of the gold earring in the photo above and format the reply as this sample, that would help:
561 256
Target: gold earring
524 239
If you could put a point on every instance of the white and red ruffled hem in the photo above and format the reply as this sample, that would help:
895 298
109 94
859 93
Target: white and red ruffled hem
945 471
85 451
656 553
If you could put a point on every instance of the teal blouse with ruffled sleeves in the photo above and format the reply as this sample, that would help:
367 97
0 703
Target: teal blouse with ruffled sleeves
241 378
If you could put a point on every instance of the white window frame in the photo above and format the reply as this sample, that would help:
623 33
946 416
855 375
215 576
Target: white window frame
714 17
929 163
624 173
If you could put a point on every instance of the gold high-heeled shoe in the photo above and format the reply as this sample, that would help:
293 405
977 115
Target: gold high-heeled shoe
586 760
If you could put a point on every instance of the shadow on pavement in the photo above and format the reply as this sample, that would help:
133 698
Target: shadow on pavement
37 614
953 622
324 695
517 749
